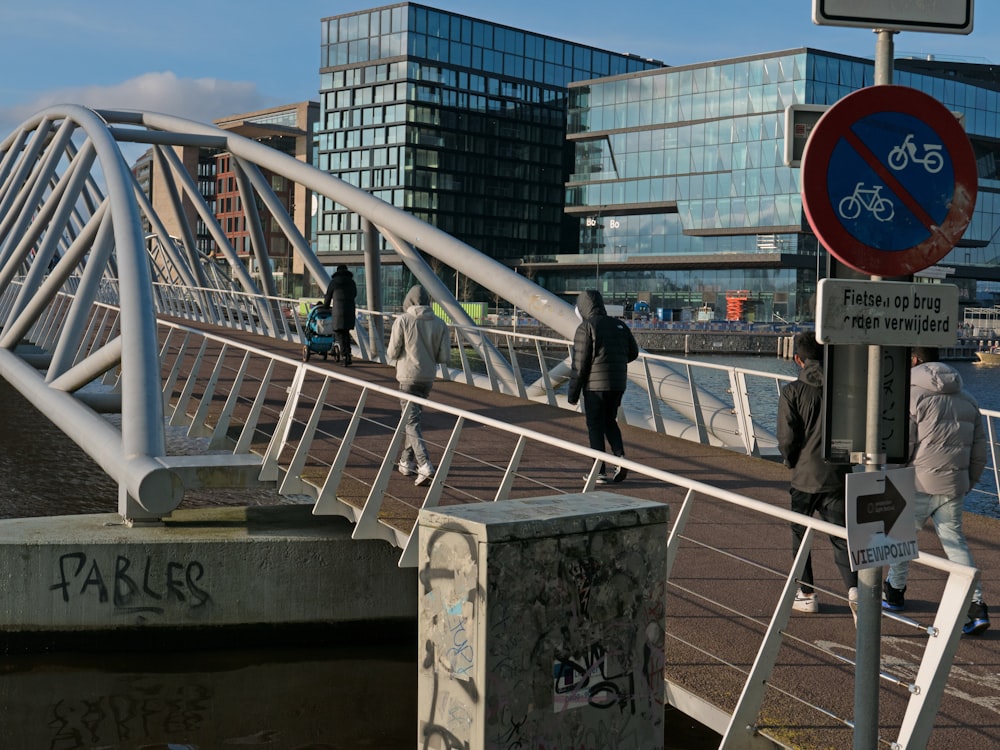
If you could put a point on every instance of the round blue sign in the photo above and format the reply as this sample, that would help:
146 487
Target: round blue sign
888 180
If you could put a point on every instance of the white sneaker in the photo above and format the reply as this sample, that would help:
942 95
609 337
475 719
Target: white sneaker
852 602
407 468
424 474
806 602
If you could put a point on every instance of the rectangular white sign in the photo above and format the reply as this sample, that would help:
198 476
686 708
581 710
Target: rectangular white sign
886 313
942 16
879 516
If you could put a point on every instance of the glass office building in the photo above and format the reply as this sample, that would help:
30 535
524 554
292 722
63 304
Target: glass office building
682 197
460 121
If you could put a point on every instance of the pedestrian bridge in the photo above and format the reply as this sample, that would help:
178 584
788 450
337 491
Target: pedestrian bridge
122 337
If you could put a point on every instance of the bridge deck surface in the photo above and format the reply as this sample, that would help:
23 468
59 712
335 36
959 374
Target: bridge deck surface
707 591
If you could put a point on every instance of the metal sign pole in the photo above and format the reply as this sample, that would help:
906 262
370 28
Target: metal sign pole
869 635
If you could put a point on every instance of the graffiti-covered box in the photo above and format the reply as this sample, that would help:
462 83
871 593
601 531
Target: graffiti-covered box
541 624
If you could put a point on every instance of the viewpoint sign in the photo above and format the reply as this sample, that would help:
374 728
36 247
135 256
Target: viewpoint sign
940 16
881 526
886 313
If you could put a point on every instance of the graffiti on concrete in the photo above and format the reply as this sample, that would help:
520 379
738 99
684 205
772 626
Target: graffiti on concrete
449 582
543 642
143 586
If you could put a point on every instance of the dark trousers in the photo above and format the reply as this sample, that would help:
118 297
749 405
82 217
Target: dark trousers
601 410
344 342
830 507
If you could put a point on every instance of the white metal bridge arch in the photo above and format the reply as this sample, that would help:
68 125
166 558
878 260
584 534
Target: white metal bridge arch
71 226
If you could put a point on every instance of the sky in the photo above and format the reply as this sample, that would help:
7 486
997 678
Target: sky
212 58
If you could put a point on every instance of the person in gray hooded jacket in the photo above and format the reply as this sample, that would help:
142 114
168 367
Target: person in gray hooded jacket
948 447
817 486
418 343
602 348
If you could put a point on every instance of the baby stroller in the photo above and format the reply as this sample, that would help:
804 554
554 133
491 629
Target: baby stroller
319 333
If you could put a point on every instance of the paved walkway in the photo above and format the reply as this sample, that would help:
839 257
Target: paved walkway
719 603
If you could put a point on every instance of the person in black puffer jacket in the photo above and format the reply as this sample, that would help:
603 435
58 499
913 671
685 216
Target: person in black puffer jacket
602 348
817 486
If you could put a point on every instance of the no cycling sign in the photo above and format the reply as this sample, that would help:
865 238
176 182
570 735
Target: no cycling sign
889 180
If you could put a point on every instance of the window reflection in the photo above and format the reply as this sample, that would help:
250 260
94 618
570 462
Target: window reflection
712 150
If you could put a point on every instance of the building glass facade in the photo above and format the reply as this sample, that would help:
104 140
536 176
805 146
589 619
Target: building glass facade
460 121
682 196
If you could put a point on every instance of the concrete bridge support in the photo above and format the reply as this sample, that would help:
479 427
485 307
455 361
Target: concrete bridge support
211 568
541 623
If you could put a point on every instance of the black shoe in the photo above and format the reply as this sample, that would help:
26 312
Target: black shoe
892 598
979 619
619 476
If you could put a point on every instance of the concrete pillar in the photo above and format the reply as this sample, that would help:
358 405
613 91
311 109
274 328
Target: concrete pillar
541 624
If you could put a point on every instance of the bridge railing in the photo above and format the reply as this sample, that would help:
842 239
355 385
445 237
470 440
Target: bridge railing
332 440
537 367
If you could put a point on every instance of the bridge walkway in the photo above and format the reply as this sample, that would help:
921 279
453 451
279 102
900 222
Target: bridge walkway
729 571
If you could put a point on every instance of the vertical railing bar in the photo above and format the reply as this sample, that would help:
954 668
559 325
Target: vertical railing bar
220 435
179 415
171 379
199 423
744 717
518 378
654 401
503 491
550 394
111 377
680 522
327 503
368 526
292 483
699 416
272 456
250 426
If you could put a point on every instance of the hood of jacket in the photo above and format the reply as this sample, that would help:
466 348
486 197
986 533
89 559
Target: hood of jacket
416 297
590 303
936 377
812 373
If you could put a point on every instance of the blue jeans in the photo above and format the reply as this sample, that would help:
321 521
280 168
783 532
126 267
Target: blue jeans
414 448
946 512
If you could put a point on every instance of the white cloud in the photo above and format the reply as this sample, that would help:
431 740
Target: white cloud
202 99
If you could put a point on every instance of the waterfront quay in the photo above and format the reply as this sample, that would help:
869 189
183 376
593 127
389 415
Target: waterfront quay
734 339
717 606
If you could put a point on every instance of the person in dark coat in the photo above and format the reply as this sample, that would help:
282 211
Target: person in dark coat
817 486
340 296
602 348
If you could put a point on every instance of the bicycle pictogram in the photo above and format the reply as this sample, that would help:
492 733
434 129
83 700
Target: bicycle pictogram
869 199
906 152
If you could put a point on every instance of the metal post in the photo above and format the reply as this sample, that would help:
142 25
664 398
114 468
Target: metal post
869 632
868 638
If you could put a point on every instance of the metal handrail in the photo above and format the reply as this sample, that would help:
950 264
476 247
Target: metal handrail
285 459
537 367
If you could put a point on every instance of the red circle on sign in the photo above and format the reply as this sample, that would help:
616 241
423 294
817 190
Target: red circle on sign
824 211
